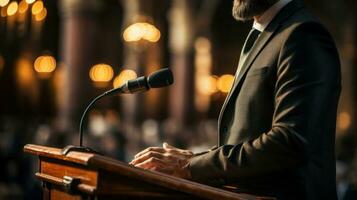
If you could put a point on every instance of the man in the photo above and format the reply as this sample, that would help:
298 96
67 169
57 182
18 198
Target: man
277 125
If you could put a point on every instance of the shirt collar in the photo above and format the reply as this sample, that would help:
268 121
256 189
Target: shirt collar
264 20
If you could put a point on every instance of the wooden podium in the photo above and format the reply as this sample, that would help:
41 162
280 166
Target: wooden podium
81 175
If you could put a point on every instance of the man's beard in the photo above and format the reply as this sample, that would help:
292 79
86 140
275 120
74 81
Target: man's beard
244 10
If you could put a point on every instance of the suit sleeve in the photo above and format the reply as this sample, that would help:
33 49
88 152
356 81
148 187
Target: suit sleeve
307 74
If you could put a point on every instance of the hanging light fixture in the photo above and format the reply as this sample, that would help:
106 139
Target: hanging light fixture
123 77
141 31
45 65
37 7
3 3
12 8
101 74
41 15
225 82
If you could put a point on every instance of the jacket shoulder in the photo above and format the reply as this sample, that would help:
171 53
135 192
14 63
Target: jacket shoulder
303 22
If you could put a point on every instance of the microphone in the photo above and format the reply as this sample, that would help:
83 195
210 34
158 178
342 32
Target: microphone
158 79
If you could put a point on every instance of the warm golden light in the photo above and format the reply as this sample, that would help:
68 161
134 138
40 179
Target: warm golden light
139 31
42 15
151 33
207 85
45 64
23 6
344 120
3 2
133 33
123 77
101 73
24 71
225 82
37 7
12 8
30 1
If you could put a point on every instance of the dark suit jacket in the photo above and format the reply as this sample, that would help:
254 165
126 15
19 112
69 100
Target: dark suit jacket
277 125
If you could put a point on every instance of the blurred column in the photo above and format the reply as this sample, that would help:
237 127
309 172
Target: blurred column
143 57
132 60
181 37
153 99
79 29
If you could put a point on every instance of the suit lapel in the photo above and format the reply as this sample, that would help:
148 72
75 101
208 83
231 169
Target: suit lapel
261 42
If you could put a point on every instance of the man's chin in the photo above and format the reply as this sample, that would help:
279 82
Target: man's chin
239 16
242 19
245 10
239 11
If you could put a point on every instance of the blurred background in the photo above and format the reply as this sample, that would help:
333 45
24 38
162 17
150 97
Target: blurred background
56 55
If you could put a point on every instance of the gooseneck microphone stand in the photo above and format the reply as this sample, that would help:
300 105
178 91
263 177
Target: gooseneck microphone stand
82 148
160 78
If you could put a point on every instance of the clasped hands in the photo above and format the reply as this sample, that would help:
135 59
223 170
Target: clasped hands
166 159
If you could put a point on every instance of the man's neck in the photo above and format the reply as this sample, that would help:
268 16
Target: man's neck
256 18
263 20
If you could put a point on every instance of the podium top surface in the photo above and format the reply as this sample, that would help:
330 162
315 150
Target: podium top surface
55 153
96 161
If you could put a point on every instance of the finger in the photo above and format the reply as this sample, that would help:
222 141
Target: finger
157 149
146 156
166 157
166 170
153 162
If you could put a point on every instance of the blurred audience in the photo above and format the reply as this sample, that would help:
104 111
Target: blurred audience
107 134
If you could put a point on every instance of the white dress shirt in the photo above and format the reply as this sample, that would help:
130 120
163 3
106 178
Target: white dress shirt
263 21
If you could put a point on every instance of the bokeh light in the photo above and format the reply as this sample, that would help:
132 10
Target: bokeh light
101 73
343 120
139 31
12 8
151 33
123 77
26 79
45 64
23 6
42 15
24 71
207 85
4 2
37 7
225 82
30 1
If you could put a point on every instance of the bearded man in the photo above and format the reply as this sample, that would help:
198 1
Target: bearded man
277 125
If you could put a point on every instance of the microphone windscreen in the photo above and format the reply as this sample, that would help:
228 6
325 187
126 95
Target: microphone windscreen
160 78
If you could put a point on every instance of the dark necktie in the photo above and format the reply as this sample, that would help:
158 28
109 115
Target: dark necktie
247 48
250 41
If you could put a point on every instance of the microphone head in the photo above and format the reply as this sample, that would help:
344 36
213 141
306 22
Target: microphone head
160 78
